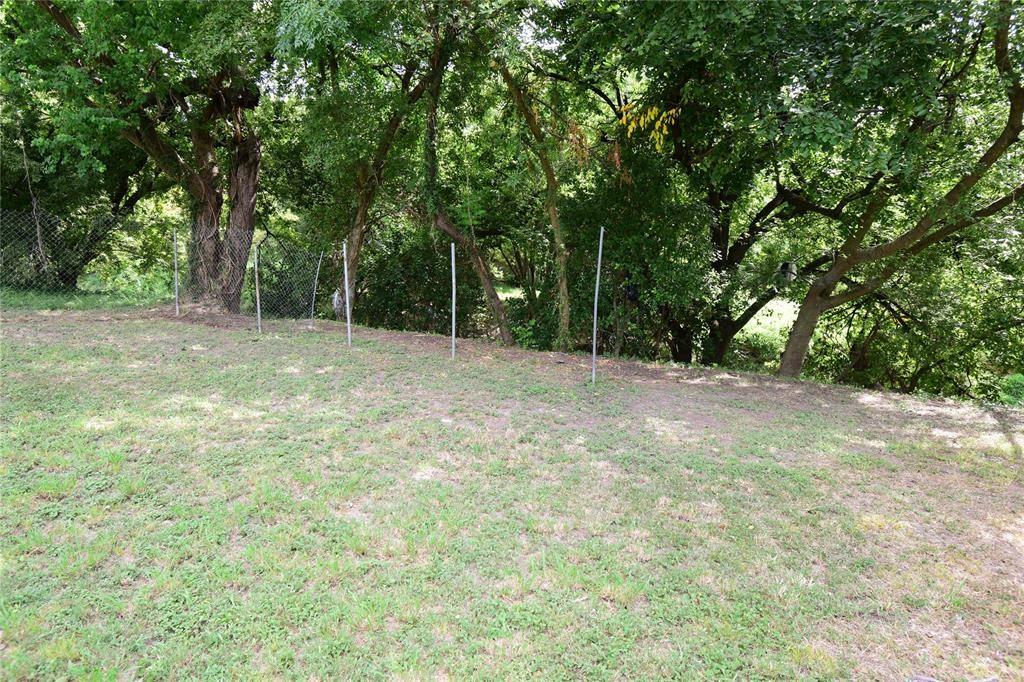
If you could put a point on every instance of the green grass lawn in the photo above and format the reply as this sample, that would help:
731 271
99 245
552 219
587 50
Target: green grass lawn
23 299
181 500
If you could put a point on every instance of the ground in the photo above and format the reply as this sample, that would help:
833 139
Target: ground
184 497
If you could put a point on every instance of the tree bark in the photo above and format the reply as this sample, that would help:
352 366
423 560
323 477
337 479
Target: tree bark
204 247
242 185
799 341
208 199
720 335
680 343
367 183
562 341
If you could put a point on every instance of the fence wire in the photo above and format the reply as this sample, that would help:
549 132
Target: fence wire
44 252
267 277
289 279
275 278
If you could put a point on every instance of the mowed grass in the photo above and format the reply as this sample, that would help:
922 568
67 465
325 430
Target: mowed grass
181 501
18 299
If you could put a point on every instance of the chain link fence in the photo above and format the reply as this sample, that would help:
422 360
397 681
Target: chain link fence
43 252
292 279
281 279
261 276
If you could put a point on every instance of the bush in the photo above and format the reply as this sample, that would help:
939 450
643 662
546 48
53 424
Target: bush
1011 390
530 332
756 351
405 283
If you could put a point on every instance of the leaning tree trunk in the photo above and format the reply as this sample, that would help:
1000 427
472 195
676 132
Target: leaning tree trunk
366 192
368 182
799 341
519 98
438 216
245 171
483 273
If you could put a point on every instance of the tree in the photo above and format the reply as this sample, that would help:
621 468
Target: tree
907 210
967 291
526 108
175 79
73 204
370 65
762 106
444 43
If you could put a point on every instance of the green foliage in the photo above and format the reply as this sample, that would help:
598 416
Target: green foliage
1011 390
407 280
756 350
716 142
953 325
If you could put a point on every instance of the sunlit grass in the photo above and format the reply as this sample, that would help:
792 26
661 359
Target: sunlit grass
184 501
27 299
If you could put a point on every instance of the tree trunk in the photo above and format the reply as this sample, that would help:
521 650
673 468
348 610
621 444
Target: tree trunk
366 192
799 341
483 272
439 218
719 323
245 171
562 341
204 250
208 199
41 261
680 343
370 175
720 335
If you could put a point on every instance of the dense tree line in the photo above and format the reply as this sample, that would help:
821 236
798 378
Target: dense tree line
858 164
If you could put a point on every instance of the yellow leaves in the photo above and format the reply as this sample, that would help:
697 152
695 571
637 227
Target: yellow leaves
656 122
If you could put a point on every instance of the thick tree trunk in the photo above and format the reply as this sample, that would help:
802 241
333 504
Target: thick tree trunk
244 179
799 341
208 199
204 249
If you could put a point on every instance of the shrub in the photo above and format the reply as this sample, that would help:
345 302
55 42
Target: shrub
1011 390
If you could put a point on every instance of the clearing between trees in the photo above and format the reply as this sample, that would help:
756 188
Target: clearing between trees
183 497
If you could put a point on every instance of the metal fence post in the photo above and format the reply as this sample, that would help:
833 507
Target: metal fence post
177 309
453 300
597 286
256 273
348 305
316 280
